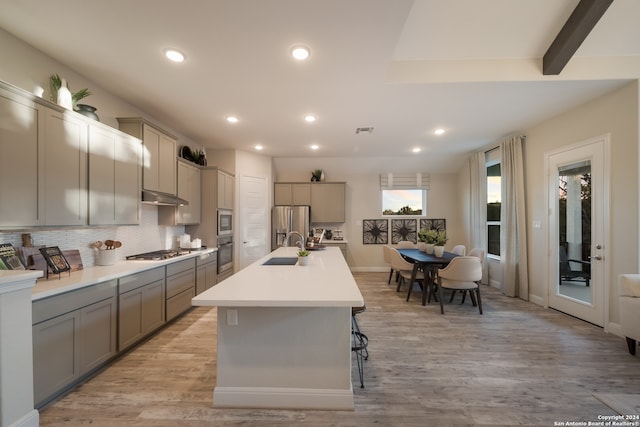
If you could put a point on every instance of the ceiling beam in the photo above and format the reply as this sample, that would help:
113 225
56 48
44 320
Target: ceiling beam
582 20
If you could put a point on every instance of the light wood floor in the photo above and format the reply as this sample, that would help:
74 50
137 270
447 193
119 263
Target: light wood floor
518 364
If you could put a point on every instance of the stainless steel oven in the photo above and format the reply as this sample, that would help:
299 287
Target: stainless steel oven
225 254
225 222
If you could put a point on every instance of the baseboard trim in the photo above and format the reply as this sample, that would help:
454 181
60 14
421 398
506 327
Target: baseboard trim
283 398
31 419
370 269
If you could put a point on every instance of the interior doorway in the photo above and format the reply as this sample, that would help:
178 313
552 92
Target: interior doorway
578 206
254 234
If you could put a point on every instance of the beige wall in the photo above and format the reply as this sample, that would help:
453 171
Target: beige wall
363 198
616 114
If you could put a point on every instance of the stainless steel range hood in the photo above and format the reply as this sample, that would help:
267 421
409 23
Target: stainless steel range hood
158 198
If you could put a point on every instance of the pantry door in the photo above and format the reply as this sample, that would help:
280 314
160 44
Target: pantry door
578 202
254 242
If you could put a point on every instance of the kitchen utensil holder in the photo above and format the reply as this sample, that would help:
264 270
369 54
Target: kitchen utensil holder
106 257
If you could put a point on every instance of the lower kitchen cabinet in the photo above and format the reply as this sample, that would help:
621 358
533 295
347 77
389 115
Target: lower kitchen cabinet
142 305
206 272
181 287
73 334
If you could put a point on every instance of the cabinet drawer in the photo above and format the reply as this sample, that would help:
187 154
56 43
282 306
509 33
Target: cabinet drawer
57 305
206 259
179 303
137 280
180 266
180 282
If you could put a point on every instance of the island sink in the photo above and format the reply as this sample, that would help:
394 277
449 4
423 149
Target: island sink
281 261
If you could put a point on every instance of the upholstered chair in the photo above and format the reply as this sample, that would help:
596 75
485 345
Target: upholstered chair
459 250
404 269
462 274
629 299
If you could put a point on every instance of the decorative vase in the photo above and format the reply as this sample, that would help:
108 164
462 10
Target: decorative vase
322 176
64 96
438 251
422 246
88 111
428 248
303 260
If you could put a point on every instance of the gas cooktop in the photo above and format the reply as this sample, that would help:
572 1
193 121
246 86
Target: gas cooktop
158 255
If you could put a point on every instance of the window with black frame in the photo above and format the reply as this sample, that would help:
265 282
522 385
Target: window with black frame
494 202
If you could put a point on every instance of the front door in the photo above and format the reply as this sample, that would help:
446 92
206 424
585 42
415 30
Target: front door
578 208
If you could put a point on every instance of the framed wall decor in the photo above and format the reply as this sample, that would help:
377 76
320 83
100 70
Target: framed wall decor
375 231
433 224
404 229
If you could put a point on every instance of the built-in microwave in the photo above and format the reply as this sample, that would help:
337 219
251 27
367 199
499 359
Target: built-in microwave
225 222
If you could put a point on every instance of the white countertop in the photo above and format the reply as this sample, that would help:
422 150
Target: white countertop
325 282
91 275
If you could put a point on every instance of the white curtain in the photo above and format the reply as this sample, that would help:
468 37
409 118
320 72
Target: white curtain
478 205
513 232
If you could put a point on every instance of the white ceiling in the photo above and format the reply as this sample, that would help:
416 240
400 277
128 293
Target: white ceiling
403 67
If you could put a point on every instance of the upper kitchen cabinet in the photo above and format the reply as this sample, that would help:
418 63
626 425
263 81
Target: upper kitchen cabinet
159 154
226 185
188 189
20 151
327 202
64 138
115 165
292 194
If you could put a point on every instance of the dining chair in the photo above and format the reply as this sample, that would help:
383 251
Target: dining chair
459 250
476 252
406 244
404 269
462 274
386 249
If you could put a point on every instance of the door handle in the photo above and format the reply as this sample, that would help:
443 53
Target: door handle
596 257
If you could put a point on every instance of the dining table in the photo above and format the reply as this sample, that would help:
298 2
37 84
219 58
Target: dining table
429 263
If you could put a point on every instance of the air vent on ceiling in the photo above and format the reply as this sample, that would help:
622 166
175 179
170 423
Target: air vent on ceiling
361 130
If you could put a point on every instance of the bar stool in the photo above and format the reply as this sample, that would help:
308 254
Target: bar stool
359 342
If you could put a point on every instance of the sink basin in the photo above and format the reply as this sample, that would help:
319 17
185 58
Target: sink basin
281 261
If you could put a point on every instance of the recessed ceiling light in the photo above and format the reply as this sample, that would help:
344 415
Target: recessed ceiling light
232 119
174 55
258 147
315 147
439 131
416 150
309 118
300 52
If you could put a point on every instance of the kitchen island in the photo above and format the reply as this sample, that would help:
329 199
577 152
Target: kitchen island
284 333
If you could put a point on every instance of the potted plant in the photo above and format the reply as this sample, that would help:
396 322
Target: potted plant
428 238
441 239
303 257
317 175
55 82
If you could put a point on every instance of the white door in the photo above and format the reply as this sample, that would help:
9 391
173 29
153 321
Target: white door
254 232
578 203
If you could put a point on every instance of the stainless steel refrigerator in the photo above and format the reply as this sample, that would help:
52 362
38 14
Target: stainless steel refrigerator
285 219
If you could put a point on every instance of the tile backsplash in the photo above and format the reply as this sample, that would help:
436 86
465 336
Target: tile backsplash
148 236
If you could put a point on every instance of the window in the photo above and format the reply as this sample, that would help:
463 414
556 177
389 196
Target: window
404 202
404 193
494 202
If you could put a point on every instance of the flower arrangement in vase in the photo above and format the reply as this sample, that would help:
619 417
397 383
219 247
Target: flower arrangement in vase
441 240
317 175
56 83
303 257
428 238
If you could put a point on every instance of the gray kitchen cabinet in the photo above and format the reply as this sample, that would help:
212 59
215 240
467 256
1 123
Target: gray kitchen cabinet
64 168
73 334
189 184
341 246
141 299
181 287
292 194
115 165
20 154
159 157
226 186
206 272
327 202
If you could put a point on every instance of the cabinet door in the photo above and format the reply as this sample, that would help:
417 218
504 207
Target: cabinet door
98 333
167 164
206 275
151 169
226 186
153 304
19 153
114 177
188 189
141 312
282 194
55 364
65 168
327 202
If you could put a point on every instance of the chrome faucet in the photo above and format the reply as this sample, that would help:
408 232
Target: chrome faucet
302 243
